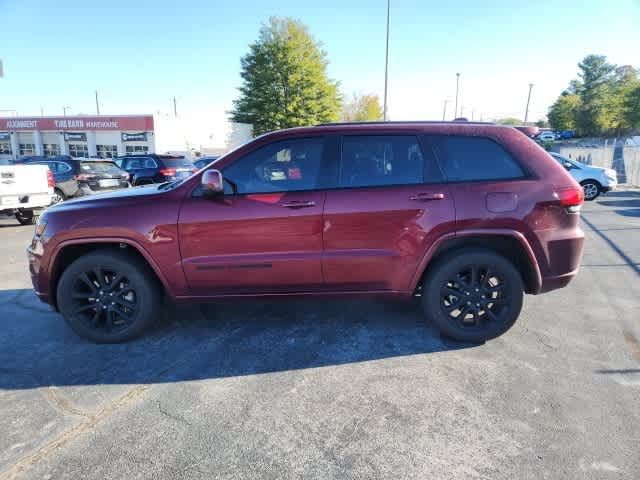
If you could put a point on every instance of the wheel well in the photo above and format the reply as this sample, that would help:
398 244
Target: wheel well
508 247
68 254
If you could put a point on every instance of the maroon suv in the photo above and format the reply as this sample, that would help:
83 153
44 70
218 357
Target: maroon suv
467 216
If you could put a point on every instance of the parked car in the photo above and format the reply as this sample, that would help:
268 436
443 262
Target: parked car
81 176
566 134
204 161
153 168
594 180
25 190
546 136
467 216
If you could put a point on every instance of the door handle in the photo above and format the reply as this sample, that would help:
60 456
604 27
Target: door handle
423 197
299 204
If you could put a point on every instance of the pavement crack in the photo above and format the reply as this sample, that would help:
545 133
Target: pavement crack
173 416
633 344
60 403
85 425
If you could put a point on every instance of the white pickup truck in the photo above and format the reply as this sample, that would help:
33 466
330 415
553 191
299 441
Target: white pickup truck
25 190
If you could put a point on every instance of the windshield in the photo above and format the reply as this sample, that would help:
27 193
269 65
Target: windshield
99 167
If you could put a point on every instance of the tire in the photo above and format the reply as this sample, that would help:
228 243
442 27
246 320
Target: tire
129 306
59 196
591 188
25 217
449 282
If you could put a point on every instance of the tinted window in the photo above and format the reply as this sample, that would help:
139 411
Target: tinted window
374 160
138 163
281 166
103 167
176 162
475 158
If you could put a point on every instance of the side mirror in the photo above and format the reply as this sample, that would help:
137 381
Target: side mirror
567 165
212 183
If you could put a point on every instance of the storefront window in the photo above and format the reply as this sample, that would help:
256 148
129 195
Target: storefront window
5 148
107 151
27 149
137 149
51 149
79 150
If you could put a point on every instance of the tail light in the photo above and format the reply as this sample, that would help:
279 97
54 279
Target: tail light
571 198
50 180
168 172
82 177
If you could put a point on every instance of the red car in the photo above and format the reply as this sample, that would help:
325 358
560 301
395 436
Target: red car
467 216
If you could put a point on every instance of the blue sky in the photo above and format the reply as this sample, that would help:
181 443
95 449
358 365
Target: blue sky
139 54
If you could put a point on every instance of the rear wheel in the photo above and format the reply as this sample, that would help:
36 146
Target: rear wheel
108 296
473 295
25 217
591 189
58 196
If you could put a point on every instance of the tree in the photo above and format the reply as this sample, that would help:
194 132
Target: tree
509 121
624 82
631 109
362 108
285 82
562 114
542 123
594 116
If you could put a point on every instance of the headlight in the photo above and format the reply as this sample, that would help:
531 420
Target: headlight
611 174
41 226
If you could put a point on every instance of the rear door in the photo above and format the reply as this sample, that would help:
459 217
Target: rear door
388 205
490 187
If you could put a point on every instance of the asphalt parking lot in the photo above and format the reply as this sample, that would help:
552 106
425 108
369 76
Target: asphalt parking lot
333 389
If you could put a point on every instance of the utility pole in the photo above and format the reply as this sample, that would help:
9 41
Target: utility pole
175 108
444 110
386 64
526 112
97 104
455 110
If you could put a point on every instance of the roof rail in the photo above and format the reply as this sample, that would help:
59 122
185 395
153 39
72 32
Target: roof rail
396 122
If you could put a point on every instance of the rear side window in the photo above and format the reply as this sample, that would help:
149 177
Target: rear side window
376 160
475 158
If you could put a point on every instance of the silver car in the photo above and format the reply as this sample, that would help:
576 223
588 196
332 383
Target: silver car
594 180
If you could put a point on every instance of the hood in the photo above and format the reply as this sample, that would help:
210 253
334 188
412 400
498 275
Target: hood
595 168
100 199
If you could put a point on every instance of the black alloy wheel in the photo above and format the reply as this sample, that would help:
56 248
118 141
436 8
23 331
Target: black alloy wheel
104 299
473 294
108 296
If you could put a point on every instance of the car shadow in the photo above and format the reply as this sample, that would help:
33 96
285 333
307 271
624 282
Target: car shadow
197 342
629 207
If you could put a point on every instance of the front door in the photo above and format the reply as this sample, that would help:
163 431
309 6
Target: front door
264 235
390 204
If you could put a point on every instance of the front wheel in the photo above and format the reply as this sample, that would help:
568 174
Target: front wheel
473 295
25 217
108 296
591 189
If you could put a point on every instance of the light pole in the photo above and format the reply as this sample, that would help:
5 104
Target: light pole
526 112
97 104
455 111
64 110
444 110
386 64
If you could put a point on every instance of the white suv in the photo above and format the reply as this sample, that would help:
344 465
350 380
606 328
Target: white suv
594 180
